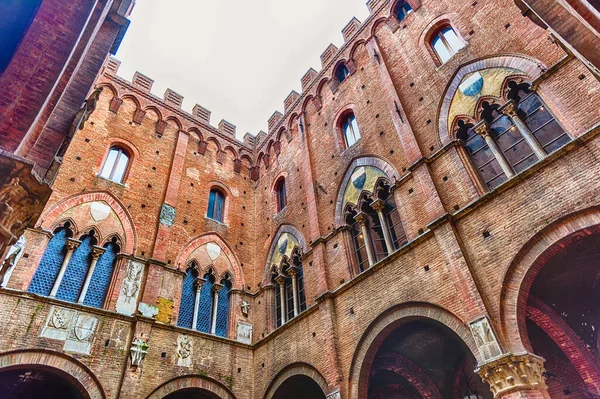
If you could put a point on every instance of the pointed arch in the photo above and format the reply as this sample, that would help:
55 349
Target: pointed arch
376 162
284 228
50 215
529 67
238 279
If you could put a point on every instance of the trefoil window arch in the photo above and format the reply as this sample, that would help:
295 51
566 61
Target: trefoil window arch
116 165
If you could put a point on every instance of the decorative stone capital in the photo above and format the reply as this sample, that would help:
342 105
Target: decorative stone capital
280 279
510 109
513 372
481 129
72 244
216 288
198 283
361 218
97 252
293 271
378 205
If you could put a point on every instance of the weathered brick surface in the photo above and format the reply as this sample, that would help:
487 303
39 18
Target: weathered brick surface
450 271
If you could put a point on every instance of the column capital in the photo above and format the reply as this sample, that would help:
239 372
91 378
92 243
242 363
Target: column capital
198 282
482 129
293 271
510 109
217 287
97 252
280 279
378 205
72 244
513 372
361 218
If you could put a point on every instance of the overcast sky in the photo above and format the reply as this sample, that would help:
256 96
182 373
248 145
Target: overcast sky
238 58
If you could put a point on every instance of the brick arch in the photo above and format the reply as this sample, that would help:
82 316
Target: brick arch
74 371
296 369
47 219
528 66
238 275
388 322
355 46
526 265
189 382
284 228
374 161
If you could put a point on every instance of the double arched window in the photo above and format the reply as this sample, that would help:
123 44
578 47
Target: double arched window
445 43
510 137
280 194
375 225
116 165
288 278
402 9
216 205
350 129
204 302
75 270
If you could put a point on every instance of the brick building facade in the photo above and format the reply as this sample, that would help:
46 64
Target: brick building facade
422 221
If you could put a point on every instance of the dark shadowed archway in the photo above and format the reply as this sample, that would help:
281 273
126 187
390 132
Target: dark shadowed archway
192 393
299 387
37 382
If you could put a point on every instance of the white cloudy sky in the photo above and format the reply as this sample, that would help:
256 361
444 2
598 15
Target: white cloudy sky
238 58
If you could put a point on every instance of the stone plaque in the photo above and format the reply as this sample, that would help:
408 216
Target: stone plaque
167 215
185 351
130 288
58 323
244 333
485 338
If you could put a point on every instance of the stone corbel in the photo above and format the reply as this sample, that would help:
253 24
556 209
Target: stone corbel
138 116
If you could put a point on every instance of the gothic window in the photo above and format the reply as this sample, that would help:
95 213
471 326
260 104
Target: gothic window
188 297
222 318
52 260
341 73
445 42
216 205
402 9
102 275
205 308
281 194
512 143
289 288
115 165
375 225
350 129
75 270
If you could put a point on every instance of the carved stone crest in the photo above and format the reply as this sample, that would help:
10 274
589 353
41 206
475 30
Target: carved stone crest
485 338
185 350
126 303
167 215
81 335
138 351
244 333
60 318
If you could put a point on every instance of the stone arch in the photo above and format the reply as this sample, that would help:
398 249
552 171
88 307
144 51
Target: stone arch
133 99
191 381
294 369
385 324
527 264
193 131
175 120
355 46
155 110
110 87
66 366
528 66
47 219
284 228
238 275
374 161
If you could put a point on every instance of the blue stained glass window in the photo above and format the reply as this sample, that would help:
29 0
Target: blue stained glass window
53 257
72 282
96 292
205 308
188 298
223 311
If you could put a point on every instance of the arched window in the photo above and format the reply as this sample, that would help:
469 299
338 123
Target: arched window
216 205
350 129
541 123
102 275
52 260
341 73
375 226
205 308
188 297
280 192
74 277
446 43
115 165
402 9
289 292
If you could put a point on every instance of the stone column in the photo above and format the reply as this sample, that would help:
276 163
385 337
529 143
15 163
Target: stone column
198 287
96 254
293 272
515 376
379 206
71 246
213 324
482 130
510 110
362 219
280 280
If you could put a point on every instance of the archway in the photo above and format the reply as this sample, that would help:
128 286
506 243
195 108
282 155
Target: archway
563 316
299 387
192 393
423 358
38 382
